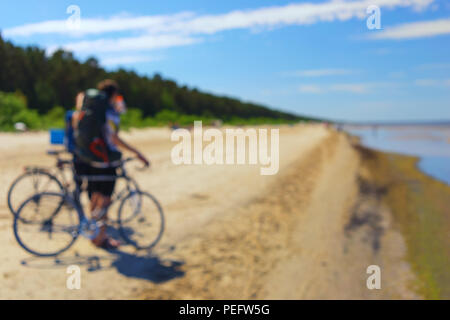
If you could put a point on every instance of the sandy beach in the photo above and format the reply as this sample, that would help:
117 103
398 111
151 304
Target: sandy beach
308 232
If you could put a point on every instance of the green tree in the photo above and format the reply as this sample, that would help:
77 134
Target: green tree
13 109
55 80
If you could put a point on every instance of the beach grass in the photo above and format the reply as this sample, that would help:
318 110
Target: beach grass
421 210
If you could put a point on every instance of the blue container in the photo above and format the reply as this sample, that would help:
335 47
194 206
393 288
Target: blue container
57 136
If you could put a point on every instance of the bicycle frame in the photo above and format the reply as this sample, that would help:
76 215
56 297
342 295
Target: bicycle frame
71 187
85 226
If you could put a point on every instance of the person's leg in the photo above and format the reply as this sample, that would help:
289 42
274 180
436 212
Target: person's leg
104 190
102 236
99 214
96 206
96 200
93 189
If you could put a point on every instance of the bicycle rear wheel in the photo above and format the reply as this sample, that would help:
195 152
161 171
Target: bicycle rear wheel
47 224
141 220
30 183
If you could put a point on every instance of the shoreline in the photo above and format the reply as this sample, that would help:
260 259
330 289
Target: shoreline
420 212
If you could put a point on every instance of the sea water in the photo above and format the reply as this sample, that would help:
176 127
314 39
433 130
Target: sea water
430 143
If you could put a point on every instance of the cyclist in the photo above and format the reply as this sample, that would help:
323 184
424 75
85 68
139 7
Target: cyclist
98 153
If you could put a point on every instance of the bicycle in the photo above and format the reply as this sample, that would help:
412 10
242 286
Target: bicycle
45 180
56 220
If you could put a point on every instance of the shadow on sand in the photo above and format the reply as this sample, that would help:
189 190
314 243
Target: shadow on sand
146 267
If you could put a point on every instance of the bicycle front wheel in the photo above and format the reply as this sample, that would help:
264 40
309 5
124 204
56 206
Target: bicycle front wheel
141 220
30 183
47 224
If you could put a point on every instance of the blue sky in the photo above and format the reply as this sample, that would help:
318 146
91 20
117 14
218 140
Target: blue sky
309 57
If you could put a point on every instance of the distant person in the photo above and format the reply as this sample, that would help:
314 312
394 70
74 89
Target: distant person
98 147
20 126
78 106
174 125
71 120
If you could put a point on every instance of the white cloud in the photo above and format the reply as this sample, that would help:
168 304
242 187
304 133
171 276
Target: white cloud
319 72
187 22
355 88
426 82
96 26
433 66
397 74
415 30
358 88
162 31
433 82
127 44
310 88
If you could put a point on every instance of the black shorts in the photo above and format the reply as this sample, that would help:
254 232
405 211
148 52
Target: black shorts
106 188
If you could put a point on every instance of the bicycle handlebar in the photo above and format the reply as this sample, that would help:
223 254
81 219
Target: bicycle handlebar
61 162
132 159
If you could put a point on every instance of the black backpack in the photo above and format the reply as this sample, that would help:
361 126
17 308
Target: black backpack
89 137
